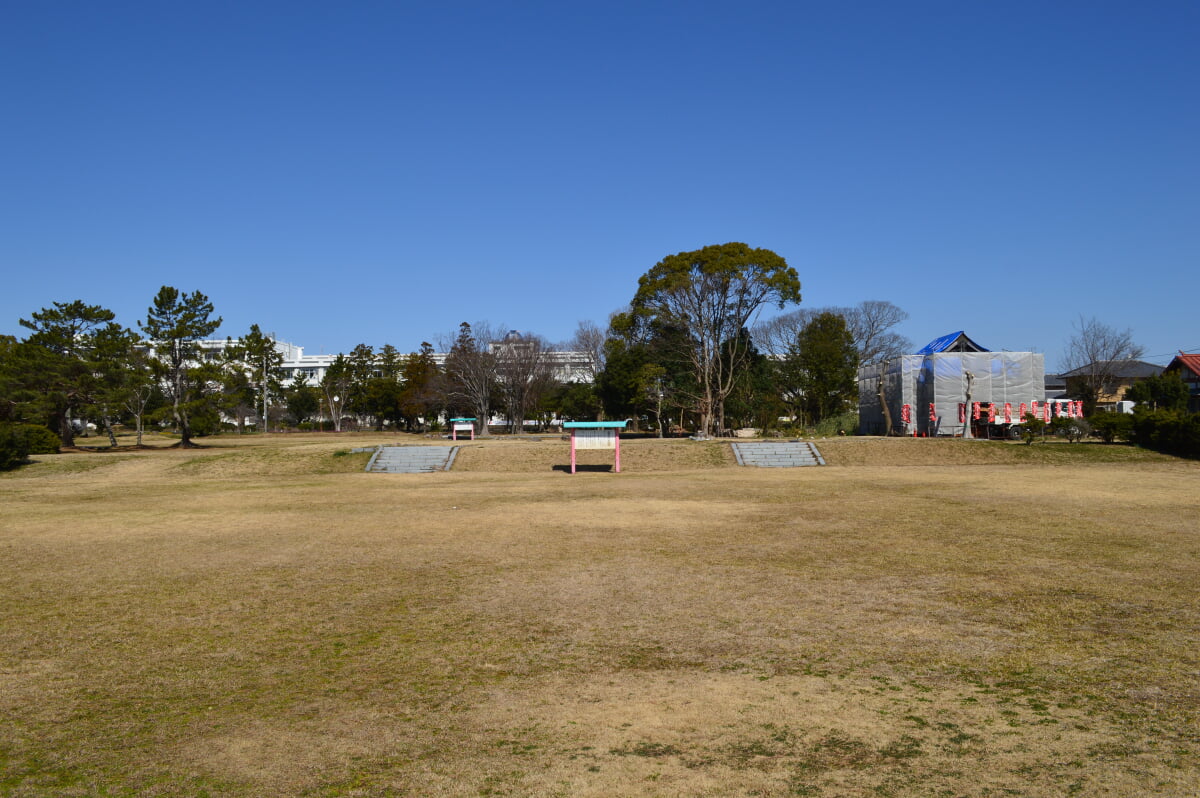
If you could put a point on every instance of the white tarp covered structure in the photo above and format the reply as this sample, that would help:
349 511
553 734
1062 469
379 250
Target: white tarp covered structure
927 393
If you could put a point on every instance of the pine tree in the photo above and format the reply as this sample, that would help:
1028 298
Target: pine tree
174 324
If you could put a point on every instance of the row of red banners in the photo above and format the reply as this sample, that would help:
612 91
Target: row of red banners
979 410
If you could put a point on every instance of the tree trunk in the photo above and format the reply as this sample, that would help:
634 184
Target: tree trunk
112 438
65 431
887 413
185 429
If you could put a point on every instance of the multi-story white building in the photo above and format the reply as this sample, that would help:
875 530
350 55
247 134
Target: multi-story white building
569 366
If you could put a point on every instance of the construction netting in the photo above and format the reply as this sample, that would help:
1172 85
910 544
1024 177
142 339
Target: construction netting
940 394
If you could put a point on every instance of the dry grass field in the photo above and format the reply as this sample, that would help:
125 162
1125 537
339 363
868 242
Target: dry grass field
920 618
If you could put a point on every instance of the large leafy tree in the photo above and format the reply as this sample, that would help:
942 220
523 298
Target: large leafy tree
824 364
62 364
711 294
174 323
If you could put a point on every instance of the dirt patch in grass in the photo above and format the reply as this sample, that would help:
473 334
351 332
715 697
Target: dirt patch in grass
249 620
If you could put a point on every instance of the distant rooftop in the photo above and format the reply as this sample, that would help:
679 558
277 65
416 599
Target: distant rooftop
1192 362
1130 369
953 342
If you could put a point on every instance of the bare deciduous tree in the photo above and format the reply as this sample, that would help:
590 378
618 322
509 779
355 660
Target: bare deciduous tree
589 338
525 372
335 387
870 324
1096 353
471 371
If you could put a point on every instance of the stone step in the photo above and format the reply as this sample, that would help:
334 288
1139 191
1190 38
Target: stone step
412 459
792 454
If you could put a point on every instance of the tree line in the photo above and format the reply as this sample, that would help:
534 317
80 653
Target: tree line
688 353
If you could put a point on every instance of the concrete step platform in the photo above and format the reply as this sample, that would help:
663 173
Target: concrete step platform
777 454
412 459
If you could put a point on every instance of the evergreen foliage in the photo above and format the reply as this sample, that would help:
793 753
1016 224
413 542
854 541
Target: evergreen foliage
1165 391
1168 431
824 364
174 323
14 451
1111 427
67 363
711 295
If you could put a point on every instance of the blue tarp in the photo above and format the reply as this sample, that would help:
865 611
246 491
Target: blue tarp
946 341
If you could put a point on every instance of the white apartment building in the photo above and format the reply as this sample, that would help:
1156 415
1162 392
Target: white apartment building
569 366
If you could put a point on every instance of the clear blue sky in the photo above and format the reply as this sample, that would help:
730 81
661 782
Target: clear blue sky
380 171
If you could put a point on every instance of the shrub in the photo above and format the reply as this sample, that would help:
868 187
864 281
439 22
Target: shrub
205 421
1112 426
1073 429
38 439
847 422
13 451
18 441
1032 428
1168 431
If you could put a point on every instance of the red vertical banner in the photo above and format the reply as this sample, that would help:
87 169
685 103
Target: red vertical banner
906 413
1033 408
1021 411
1079 407
962 412
991 412
932 413
976 409
1046 412
1008 412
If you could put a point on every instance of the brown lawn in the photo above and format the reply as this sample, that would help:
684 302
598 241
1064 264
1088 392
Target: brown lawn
919 618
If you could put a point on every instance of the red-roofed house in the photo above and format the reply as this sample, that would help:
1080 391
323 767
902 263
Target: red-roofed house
1188 367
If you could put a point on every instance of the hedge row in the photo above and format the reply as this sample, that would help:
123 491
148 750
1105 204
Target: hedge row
1168 431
